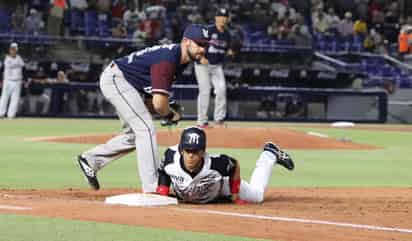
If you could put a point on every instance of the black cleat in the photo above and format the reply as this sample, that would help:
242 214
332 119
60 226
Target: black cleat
88 172
282 157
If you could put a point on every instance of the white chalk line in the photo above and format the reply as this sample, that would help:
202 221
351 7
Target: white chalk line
9 207
298 220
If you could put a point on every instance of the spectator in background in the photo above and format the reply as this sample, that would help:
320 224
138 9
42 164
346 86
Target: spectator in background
368 43
273 30
37 94
118 9
279 8
79 4
360 27
403 41
139 36
12 82
345 27
333 20
18 19
131 16
119 31
320 22
361 9
55 17
300 34
34 23
103 5
196 18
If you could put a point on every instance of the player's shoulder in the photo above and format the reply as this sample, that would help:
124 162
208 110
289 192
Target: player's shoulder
169 154
211 27
222 163
169 52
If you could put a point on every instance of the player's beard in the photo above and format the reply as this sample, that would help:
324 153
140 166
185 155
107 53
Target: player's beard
193 56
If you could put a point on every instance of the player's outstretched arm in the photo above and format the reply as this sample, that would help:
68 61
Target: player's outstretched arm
164 179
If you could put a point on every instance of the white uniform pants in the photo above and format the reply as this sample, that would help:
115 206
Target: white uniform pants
138 130
10 97
209 76
255 190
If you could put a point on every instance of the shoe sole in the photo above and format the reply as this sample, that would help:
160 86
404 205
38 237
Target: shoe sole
77 164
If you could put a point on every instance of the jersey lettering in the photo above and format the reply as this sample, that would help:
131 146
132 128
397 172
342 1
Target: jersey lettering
147 50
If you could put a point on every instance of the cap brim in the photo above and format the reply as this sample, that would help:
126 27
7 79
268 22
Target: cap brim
201 42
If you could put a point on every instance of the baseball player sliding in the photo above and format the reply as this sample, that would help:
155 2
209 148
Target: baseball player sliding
199 177
124 82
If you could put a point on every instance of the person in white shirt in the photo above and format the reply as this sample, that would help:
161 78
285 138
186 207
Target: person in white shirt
12 82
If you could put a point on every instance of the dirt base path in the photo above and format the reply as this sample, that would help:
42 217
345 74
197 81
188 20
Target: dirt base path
235 137
377 207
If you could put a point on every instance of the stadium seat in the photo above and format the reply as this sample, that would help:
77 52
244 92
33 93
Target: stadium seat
90 23
76 21
5 21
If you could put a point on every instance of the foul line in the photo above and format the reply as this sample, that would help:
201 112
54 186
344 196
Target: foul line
14 207
298 220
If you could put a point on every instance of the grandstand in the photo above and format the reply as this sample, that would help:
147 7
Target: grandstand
299 52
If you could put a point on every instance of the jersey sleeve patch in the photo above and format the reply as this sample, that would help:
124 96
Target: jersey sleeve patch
224 164
162 75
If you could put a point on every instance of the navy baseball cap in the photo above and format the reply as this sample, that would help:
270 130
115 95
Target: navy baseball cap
223 12
192 138
197 33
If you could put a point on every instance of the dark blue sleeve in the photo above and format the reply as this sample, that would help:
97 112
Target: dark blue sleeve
224 164
164 179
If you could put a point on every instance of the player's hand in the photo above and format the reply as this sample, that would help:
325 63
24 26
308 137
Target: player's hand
204 60
175 116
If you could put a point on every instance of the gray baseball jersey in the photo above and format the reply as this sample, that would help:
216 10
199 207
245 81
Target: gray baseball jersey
201 187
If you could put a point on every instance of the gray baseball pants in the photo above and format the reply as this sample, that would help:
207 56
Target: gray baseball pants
10 96
138 129
207 76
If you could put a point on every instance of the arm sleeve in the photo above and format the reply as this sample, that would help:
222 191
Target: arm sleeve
164 178
224 164
162 75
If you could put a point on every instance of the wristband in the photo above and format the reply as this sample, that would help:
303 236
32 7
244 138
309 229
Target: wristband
162 190
235 186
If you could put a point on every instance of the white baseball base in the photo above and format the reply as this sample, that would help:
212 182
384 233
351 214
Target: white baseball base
141 199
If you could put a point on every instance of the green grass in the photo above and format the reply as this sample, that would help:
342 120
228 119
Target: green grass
40 165
25 228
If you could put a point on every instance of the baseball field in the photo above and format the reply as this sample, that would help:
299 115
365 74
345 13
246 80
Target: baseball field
349 184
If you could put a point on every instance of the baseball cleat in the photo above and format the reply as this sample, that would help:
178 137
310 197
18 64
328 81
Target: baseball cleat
88 172
282 157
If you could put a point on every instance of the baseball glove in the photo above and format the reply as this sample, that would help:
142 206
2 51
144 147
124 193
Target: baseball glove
174 116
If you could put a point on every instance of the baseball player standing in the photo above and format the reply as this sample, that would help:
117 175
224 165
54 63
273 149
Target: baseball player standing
125 82
209 71
12 82
198 177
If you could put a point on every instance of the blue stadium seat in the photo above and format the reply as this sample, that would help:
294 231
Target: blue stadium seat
103 25
5 21
76 21
90 23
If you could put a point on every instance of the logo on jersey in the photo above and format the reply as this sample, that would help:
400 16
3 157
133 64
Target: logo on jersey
193 138
205 33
